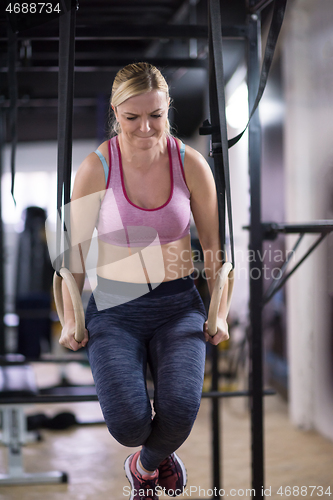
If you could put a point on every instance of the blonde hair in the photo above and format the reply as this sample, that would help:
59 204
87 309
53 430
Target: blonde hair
135 79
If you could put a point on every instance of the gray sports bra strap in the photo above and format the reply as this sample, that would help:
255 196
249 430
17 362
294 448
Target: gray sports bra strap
105 165
182 151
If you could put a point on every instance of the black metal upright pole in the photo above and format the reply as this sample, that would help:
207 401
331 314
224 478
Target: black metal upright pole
218 122
2 263
216 428
256 279
219 180
65 119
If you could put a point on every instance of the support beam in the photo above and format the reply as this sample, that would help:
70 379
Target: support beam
2 260
258 7
255 246
133 32
114 65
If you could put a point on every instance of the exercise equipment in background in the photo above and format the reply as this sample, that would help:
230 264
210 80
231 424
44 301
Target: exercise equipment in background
33 286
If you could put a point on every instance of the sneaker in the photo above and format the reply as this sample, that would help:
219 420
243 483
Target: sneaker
172 475
143 487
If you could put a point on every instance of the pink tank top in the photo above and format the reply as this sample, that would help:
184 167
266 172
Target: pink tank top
122 223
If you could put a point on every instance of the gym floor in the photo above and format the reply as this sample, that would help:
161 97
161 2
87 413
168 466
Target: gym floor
94 460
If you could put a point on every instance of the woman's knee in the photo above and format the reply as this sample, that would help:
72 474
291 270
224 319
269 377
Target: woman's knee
128 430
179 413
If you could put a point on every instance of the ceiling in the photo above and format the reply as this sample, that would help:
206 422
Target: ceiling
110 34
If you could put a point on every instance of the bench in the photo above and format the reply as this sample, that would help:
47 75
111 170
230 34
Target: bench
18 388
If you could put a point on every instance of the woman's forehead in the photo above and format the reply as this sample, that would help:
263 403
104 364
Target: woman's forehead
149 101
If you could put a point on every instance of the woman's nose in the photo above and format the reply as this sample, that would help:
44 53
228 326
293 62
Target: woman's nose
145 126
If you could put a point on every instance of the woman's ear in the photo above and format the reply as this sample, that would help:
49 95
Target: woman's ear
114 109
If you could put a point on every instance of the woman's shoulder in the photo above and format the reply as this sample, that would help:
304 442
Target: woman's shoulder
104 149
90 177
196 167
191 154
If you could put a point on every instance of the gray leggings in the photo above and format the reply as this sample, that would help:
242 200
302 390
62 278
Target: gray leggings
163 328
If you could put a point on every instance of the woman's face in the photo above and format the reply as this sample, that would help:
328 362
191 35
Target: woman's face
142 118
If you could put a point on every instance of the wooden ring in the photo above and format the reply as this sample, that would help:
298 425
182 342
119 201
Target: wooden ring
225 274
76 301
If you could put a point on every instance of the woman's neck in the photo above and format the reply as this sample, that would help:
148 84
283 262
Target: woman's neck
141 158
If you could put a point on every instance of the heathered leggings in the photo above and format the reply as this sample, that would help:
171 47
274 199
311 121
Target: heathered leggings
163 328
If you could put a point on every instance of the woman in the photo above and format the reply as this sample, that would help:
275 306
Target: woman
144 183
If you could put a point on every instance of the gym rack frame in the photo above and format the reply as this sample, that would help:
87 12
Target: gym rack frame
258 231
251 33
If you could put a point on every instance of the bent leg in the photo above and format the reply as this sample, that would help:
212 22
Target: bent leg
118 362
177 359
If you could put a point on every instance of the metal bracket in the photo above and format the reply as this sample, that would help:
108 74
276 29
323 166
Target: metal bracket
14 436
271 231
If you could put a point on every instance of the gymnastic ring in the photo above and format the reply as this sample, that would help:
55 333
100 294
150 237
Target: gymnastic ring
76 301
225 274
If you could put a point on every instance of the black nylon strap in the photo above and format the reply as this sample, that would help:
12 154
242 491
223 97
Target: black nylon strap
65 119
274 30
12 84
218 127
219 124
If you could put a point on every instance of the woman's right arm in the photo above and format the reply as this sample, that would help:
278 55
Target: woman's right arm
88 192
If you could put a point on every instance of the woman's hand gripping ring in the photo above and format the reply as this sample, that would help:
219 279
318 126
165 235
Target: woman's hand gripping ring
76 301
225 274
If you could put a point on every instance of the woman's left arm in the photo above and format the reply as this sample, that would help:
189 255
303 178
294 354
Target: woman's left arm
201 184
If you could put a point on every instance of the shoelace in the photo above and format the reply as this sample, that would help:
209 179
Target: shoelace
166 468
149 487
